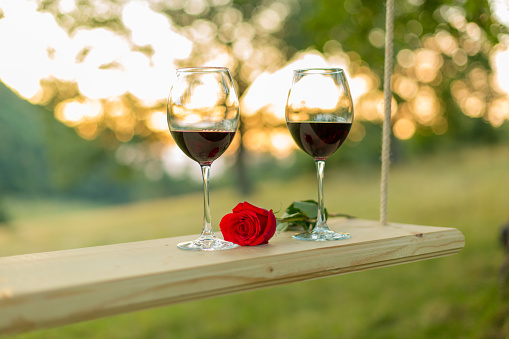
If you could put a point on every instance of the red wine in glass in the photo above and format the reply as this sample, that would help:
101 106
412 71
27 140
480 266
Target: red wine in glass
203 115
203 146
319 115
319 139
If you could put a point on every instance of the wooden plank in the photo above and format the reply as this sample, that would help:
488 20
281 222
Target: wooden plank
62 287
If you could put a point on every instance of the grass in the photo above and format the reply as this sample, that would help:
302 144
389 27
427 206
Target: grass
451 297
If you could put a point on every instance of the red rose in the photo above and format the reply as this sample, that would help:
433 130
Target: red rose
248 225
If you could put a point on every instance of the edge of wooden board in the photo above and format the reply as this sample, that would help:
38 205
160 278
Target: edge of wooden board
106 280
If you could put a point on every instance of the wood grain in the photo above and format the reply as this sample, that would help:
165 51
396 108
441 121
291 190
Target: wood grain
62 287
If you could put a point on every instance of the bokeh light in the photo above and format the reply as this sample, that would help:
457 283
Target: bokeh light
115 79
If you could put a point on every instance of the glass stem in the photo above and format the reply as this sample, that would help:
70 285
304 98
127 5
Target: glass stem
207 224
320 218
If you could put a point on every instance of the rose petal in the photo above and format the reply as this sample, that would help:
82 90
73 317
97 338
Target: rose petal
270 228
247 206
247 228
248 225
224 226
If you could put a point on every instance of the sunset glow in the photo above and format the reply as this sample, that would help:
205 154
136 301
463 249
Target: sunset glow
100 61
99 79
269 91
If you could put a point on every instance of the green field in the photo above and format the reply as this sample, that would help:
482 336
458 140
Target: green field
451 297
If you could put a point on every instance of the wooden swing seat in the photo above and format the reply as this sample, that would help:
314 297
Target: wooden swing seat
63 287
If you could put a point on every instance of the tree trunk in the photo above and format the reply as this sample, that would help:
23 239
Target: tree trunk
245 186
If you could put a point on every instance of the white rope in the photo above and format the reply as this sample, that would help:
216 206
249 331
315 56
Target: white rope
386 133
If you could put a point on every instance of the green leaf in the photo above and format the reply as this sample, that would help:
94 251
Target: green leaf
282 226
292 217
309 208
292 210
302 214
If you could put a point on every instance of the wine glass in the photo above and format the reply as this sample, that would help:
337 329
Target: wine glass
203 115
319 114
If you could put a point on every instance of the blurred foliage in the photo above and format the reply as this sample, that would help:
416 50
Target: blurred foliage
23 163
441 52
461 33
4 216
40 156
442 60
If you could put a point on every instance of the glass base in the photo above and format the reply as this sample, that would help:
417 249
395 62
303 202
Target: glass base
322 234
207 244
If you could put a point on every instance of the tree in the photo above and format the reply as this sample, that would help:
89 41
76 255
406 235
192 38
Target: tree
121 57
442 60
